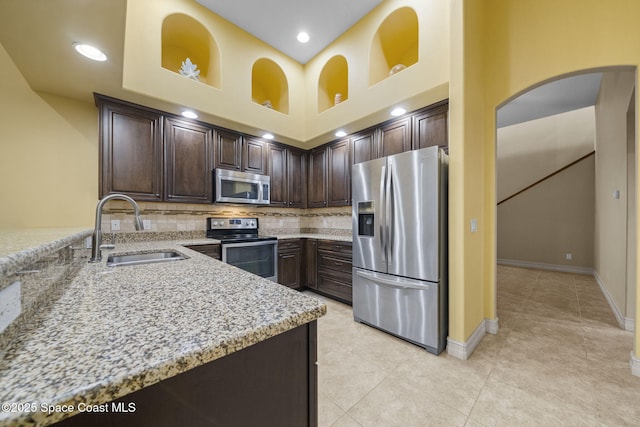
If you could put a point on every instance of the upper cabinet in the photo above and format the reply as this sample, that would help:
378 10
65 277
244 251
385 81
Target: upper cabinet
430 127
131 150
287 168
394 137
394 46
228 150
189 49
254 155
339 173
363 146
188 161
317 183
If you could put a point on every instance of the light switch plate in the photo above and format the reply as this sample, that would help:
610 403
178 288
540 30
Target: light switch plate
115 225
10 305
146 223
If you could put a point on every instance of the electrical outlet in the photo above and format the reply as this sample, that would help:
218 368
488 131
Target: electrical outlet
474 225
146 224
10 305
568 256
115 225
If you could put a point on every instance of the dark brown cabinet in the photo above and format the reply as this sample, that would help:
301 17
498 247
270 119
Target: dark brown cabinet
430 127
287 168
254 155
228 150
334 269
213 250
339 173
311 264
277 171
290 262
297 178
131 150
188 161
394 137
317 184
363 146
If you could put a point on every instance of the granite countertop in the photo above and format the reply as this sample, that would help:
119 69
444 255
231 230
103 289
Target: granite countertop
117 330
19 248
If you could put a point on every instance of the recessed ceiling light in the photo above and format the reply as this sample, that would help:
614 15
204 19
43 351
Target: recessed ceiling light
303 37
90 52
398 111
340 133
267 136
189 114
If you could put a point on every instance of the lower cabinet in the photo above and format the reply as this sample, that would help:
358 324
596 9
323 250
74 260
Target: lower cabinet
271 383
321 265
334 269
290 260
212 250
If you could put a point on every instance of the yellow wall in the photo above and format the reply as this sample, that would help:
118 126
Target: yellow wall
48 156
530 41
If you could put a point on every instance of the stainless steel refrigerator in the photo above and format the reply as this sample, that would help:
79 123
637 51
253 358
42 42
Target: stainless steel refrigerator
400 245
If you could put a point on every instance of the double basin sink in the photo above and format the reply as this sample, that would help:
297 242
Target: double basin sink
144 258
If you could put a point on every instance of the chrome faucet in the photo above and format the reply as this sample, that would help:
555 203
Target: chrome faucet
96 253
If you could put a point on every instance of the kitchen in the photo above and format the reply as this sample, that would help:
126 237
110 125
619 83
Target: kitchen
72 125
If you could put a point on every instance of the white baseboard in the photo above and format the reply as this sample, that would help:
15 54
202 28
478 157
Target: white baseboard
635 365
544 266
626 323
491 325
462 350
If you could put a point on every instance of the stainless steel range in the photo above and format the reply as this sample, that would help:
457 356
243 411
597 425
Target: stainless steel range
243 246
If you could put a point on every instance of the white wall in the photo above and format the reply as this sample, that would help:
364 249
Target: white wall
610 257
532 150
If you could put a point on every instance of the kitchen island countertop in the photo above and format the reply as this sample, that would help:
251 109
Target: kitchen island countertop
116 330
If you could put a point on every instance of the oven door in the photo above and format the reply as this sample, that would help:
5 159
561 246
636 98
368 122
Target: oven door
259 258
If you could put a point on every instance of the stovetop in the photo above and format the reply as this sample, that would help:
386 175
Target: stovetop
235 230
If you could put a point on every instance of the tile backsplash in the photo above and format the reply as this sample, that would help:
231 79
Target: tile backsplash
171 217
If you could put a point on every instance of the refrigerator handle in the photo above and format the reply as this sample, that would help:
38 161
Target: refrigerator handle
399 283
383 220
388 216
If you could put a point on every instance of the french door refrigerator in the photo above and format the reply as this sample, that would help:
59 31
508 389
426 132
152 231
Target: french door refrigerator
400 245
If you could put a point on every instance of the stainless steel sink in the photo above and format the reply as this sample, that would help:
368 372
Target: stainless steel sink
144 258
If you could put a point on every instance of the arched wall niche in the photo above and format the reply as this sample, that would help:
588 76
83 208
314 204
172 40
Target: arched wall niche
394 46
269 85
333 83
184 37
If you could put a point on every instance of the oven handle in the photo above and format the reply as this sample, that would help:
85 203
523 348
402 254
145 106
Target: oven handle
240 245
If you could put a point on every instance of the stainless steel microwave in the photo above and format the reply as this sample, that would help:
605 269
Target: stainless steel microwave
241 187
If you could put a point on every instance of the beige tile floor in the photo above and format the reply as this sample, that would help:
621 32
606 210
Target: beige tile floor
559 359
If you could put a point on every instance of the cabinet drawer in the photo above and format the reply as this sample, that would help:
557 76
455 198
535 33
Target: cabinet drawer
330 260
289 244
335 246
334 285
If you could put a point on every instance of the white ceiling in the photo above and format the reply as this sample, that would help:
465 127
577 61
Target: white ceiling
277 22
559 96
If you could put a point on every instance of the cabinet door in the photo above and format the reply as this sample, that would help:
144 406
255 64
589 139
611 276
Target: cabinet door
188 162
395 137
228 150
339 178
277 171
297 178
289 269
312 263
363 146
131 151
317 178
430 128
254 155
